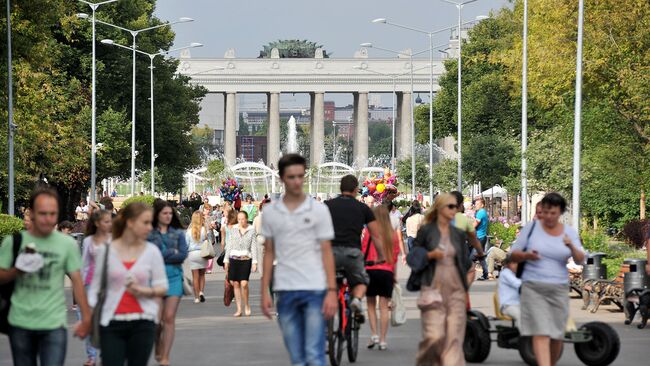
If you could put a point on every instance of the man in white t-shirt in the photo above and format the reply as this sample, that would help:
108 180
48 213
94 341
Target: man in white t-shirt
298 232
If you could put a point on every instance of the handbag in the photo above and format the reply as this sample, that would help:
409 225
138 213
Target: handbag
520 266
101 298
228 292
221 258
430 298
207 250
398 311
7 289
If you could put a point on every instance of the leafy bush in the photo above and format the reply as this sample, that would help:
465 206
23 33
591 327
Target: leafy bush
505 232
594 242
635 232
9 225
148 199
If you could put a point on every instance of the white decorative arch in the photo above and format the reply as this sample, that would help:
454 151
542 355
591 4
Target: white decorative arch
252 172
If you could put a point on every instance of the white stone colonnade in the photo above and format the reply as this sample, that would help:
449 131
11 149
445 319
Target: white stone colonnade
358 75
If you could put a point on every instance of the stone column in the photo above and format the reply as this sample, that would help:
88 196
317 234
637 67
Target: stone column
273 133
230 129
403 129
361 129
317 130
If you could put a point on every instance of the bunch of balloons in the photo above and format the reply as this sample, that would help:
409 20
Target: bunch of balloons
230 189
380 186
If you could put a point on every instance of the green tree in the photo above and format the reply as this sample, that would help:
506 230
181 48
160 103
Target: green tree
445 175
421 173
52 67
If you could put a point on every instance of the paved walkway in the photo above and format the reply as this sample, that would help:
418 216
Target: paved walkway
207 334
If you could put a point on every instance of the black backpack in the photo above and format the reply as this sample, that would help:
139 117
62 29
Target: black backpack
7 289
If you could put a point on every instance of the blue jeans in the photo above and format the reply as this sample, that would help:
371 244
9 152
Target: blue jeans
303 326
91 352
409 242
48 346
483 261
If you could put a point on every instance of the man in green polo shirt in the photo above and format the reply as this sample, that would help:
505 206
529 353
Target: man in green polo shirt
37 316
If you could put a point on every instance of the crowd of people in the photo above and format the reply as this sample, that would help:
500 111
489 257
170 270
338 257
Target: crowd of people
134 267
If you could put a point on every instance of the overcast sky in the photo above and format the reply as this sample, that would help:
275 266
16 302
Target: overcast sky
339 25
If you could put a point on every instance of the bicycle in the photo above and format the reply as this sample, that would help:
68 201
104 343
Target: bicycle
343 328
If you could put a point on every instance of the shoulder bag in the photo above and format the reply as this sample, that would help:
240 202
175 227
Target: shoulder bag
398 310
101 299
207 250
7 289
520 266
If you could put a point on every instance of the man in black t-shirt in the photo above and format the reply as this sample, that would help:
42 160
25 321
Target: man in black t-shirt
349 217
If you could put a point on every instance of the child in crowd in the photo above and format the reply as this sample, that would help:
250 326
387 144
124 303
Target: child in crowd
509 290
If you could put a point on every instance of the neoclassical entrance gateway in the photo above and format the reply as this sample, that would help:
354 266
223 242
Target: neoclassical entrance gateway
358 75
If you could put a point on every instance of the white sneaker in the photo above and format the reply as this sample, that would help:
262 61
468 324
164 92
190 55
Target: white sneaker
355 305
196 301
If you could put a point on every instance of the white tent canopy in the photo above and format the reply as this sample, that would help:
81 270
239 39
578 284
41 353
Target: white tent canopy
496 191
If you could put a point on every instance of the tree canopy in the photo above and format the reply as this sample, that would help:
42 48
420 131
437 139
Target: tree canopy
616 108
52 86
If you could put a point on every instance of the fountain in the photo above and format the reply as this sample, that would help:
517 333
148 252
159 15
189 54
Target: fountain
292 136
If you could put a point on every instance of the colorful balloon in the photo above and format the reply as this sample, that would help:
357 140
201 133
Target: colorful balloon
381 187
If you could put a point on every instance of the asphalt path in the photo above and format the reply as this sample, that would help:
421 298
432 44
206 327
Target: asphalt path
208 334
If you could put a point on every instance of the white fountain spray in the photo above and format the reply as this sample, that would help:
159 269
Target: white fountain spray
292 137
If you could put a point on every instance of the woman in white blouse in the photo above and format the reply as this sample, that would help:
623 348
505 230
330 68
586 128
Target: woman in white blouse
136 276
240 260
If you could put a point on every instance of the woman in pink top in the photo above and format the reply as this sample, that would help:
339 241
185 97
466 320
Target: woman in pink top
98 232
382 275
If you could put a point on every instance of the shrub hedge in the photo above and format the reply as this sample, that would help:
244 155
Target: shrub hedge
9 225
505 232
635 232
148 199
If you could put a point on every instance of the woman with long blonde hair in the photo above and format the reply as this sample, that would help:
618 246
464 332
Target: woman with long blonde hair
443 285
381 274
195 235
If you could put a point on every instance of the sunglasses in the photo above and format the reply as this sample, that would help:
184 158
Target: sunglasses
452 207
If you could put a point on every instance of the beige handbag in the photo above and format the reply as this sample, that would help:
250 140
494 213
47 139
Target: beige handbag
207 250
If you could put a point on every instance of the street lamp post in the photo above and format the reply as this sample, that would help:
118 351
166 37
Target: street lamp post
151 57
577 124
134 34
431 48
410 54
10 114
393 77
93 108
460 5
524 120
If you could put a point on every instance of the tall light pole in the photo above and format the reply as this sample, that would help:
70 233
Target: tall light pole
10 114
460 5
410 54
393 78
93 108
151 57
134 34
524 119
431 48
577 139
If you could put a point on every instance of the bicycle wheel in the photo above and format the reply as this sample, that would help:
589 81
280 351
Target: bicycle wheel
352 337
335 339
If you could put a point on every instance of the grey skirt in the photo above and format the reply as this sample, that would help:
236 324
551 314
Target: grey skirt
544 309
